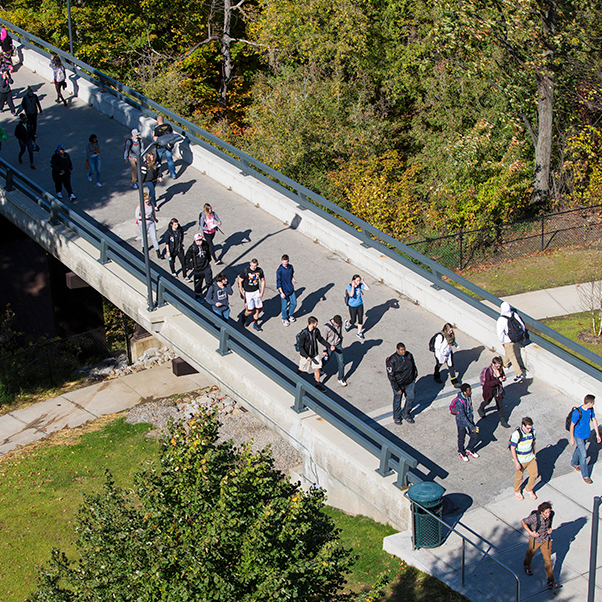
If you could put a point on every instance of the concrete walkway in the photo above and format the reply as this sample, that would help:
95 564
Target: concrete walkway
77 407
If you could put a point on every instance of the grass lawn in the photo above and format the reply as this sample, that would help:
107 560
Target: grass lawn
547 270
42 488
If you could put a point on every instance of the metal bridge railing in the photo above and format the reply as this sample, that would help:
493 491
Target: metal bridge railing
391 457
367 235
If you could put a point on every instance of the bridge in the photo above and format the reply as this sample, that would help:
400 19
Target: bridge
347 436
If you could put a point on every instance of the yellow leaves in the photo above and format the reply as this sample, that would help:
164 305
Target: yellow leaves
173 442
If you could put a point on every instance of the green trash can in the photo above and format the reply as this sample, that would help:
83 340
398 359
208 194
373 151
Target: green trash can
428 532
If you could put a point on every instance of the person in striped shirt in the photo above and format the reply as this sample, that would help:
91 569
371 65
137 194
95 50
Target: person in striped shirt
522 448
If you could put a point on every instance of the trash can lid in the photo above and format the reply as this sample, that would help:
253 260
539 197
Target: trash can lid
426 492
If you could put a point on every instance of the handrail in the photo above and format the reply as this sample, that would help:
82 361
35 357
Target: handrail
464 540
368 235
392 458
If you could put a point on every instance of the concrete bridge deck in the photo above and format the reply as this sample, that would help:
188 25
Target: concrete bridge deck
322 276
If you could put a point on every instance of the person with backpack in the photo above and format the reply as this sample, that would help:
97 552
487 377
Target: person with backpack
198 261
164 129
310 360
580 430
332 332
251 284
402 374
353 300
442 345
511 332
522 448
174 248
131 154
538 525
31 107
461 408
492 378
285 283
6 93
217 296
62 167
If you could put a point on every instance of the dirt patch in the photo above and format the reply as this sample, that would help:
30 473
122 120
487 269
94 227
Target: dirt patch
588 337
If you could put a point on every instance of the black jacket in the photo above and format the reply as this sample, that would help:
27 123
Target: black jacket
175 240
60 163
4 86
308 342
401 370
198 257
31 104
23 132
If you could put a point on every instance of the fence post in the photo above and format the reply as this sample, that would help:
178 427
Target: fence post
303 199
542 233
223 342
104 251
160 292
245 168
126 335
365 242
299 405
461 236
384 469
10 174
54 212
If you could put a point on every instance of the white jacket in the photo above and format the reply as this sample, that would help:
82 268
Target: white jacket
443 350
502 323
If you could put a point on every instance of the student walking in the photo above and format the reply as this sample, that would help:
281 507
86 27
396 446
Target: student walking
492 378
163 129
150 175
511 332
209 223
310 360
522 448
61 172
25 138
174 248
198 260
131 154
93 159
150 219
6 93
217 296
538 525
31 107
353 299
60 78
580 430
462 405
402 374
285 283
443 345
251 284
332 332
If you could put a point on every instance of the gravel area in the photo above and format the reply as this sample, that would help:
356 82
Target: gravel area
236 423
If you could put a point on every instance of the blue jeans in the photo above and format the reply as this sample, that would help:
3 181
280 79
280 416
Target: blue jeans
151 192
338 352
408 391
170 164
580 457
224 314
288 304
94 167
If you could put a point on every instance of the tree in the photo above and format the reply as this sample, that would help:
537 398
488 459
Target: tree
207 521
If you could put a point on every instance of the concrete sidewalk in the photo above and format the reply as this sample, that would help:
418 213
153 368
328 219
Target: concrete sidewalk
77 407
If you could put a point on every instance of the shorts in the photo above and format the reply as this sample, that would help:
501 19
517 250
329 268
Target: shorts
306 365
253 300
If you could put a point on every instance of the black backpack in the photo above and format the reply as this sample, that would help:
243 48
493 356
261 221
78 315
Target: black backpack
432 342
516 332
569 418
520 438
346 297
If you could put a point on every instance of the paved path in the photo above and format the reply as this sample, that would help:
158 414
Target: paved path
77 407
322 276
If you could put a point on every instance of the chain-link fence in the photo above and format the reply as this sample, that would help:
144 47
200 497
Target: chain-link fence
500 243
49 363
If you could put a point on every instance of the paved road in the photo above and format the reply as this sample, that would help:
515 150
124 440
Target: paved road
322 277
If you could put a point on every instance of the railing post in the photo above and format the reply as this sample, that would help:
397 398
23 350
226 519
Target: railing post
542 232
245 164
303 200
10 174
365 242
223 349
54 212
464 560
160 292
104 250
299 405
384 470
461 236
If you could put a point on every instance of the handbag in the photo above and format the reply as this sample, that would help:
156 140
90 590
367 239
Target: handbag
64 85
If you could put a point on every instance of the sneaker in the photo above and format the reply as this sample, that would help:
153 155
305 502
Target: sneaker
532 495
99 184
409 420
89 178
347 327
319 386
72 197
285 323
519 378
587 480
472 454
135 186
528 570
257 327
521 497
32 166
59 195
553 585
463 457
398 421
292 319
360 335
504 423
577 468
343 383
